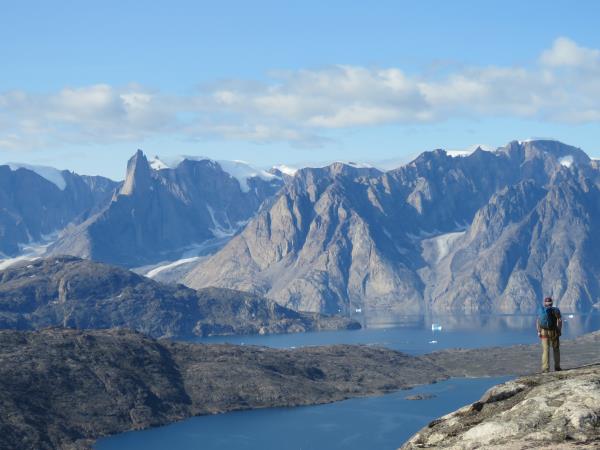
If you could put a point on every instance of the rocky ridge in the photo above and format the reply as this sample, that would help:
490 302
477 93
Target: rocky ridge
72 292
491 231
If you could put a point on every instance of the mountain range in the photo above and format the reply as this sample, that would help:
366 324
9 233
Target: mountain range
485 231
490 231
157 214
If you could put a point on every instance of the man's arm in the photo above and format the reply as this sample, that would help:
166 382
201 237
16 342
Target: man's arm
559 321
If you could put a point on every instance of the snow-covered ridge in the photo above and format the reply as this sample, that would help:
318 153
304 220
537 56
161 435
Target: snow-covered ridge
533 139
240 170
470 150
51 174
291 171
157 164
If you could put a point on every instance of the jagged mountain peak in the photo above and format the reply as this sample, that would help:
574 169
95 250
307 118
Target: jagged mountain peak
160 215
138 176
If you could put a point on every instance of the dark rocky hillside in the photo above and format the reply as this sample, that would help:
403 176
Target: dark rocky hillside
63 388
71 292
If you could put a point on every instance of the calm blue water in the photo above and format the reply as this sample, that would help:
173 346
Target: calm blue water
362 423
414 335
375 423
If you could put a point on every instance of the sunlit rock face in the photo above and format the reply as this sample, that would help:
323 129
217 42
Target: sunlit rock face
554 411
490 231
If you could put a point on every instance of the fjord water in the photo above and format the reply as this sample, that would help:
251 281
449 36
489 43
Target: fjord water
420 334
383 422
361 423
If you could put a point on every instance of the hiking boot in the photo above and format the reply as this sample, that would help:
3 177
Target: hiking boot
558 369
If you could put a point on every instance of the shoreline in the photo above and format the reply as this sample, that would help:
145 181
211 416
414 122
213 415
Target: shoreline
147 383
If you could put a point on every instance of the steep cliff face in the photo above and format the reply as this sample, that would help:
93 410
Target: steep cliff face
527 242
33 206
316 248
551 411
158 214
439 233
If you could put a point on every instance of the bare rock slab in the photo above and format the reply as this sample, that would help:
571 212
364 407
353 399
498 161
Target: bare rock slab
555 410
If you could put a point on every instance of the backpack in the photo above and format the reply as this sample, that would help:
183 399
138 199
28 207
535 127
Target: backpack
547 318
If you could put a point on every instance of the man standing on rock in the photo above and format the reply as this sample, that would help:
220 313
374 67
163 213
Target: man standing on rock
549 326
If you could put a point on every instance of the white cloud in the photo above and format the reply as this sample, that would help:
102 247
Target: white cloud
562 85
566 52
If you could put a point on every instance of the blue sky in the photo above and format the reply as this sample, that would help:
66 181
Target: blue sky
83 84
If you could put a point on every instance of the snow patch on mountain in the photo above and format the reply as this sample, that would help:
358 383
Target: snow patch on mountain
49 173
29 252
533 139
566 161
291 171
242 171
357 165
152 273
468 151
158 164
218 230
438 247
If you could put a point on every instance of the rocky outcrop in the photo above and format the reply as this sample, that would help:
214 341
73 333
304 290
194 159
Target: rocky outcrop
34 206
71 292
492 231
61 389
560 410
157 215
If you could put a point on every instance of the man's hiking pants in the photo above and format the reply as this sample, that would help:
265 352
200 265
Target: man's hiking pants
550 339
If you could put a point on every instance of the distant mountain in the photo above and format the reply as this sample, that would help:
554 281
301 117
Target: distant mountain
528 242
76 293
342 238
160 212
38 201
